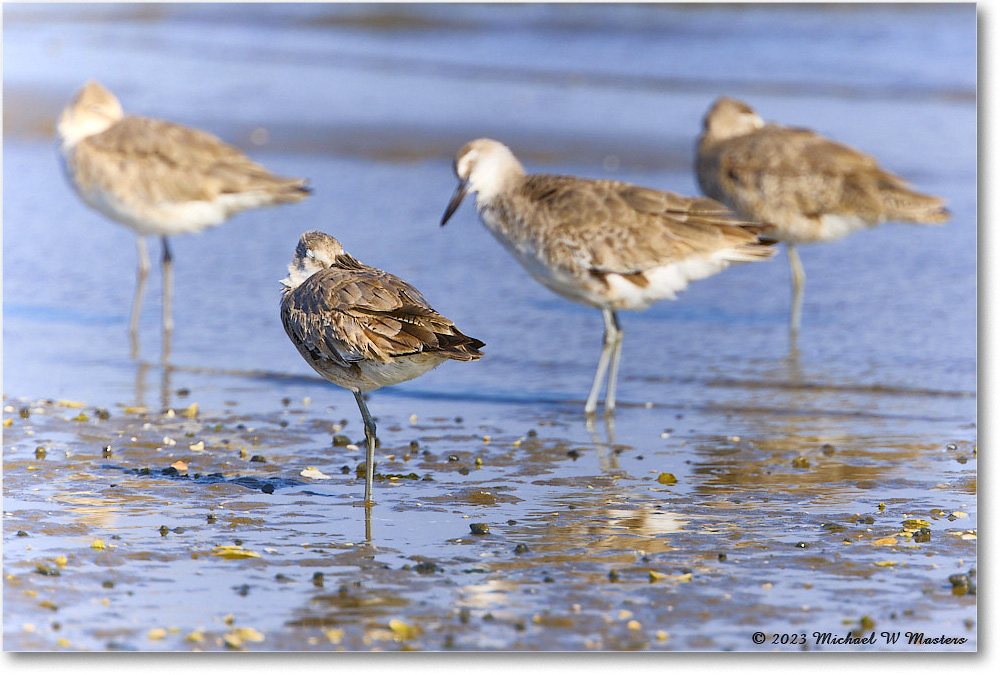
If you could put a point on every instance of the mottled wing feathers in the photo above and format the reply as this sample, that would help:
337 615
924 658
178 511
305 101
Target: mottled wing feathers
178 164
776 170
610 226
793 151
353 313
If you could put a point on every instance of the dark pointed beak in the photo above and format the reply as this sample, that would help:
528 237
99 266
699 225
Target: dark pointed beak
456 199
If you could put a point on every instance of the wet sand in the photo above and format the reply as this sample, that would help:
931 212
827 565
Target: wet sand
131 529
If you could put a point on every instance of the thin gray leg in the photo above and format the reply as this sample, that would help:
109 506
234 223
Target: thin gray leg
140 284
611 324
602 366
370 443
607 348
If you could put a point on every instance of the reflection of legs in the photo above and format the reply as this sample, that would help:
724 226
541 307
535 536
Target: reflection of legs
609 348
368 524
609 399
140 284
605 449
166 371
168 282
798 286
370 443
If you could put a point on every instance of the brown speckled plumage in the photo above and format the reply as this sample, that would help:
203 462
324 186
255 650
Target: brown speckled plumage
793 178
349 316
592 227
362 328
158 178
809 188
602 243
148 162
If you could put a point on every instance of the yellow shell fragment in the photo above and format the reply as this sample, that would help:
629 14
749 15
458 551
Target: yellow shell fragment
69 404
675 578
234 552
249 634
402 630
236 638
313 472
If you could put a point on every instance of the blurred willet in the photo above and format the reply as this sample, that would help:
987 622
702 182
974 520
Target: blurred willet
601 243
362 328
809 188
159 179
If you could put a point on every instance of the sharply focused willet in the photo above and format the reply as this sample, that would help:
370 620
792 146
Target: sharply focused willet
808 187
362 328
159 179
601 243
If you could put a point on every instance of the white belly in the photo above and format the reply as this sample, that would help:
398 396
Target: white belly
370 375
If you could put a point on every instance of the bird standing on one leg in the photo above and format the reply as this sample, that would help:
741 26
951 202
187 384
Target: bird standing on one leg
809 188
601 243
362 328
159 179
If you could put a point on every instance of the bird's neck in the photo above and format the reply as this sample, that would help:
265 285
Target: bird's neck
73 128
495 177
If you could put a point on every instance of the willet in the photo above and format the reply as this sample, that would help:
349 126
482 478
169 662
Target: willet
362 328
809 188
601 243
159 179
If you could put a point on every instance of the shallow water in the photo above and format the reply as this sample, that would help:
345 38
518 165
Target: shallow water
782 461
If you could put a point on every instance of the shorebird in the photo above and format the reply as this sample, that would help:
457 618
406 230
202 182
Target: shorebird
601 243
362 328
158 178
809 188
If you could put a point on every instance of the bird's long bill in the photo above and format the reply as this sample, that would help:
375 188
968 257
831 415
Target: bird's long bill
456 199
